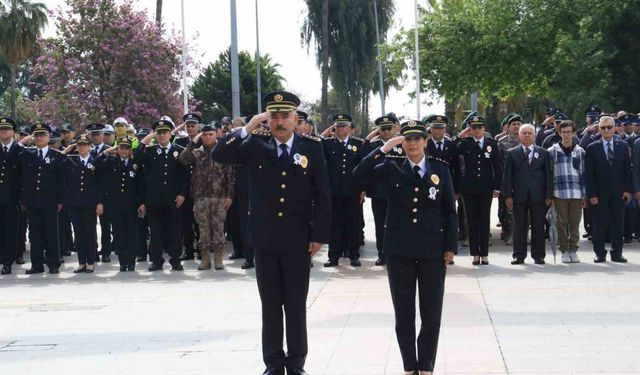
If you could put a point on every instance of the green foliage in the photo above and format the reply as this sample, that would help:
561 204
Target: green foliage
212 88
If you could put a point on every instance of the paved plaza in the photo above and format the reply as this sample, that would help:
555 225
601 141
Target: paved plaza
498 319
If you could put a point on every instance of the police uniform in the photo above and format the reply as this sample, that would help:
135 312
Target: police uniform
289 206
188 223
480 177
165 179
82 194
123 194
142 223
9 198
23 131
106 244
421 225
342 156
377 191
42 193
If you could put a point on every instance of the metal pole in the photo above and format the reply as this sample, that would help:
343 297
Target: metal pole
417 61
474 101
235 74
258 65
185 93
380 73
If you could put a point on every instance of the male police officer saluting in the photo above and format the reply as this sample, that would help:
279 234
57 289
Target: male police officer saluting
421 238
288 223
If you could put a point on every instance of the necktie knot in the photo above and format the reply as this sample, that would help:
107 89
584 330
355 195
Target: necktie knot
416 171
284 156
439 145
40 154
84 163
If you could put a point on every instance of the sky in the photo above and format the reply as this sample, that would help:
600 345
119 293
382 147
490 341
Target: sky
279 24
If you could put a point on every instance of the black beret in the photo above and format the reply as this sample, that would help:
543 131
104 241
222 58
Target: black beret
513 118
211 127
162 125
66 127
413 128
281 101
95 127
592 110
39 128
552 111
24 130
191 117
625 119
7 123
303 115
342 118
561 116
227 120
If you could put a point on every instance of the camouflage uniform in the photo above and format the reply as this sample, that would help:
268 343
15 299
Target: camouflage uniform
211 183
506 216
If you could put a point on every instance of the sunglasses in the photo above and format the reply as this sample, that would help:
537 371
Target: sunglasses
386 129
606 127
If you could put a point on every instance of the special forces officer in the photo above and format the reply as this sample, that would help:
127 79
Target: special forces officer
421 238
288 222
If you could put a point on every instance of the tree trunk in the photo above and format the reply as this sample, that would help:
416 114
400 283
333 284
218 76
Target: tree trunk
12 75
450 112
325 64
158 12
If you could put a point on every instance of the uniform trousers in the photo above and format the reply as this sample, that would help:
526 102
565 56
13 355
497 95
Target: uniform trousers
164 222
9 221
379 209
283 282
345 227
428 274
125 234
43 236
84 224
478 210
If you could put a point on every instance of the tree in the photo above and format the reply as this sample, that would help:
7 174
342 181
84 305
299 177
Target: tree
21 23
107 61
212 88
159 12
346 50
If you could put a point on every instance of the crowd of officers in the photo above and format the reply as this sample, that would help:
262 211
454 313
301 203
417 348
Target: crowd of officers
159 191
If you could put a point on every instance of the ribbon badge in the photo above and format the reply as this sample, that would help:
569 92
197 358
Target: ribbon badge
296 159
47 160
432 193
132 174
159 151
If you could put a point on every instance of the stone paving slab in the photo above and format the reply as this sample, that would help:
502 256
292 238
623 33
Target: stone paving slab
498 319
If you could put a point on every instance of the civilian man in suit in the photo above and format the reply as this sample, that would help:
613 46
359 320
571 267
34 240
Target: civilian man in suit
9 194
528 189
289 221
608 181
421 238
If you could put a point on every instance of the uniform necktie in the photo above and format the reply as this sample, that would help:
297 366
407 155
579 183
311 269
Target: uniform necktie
478 144
609 153
440 146
416 171
284 156
164 151
39 154
5 149
527 152
84 163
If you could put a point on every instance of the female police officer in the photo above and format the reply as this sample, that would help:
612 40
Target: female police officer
420 238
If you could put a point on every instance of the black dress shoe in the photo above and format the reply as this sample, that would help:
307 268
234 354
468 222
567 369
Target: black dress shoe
177 267
248 264
61 260
123 269
331 263
131 268
235 255
6 270
20 260
141 259
33 271
273 371
54 270
67 253
155 267
97 258
187 257
106 258
517 261
296 371
475 262
598 259
451 263
539 261
355 263
380 262
89 270
619 259
81 269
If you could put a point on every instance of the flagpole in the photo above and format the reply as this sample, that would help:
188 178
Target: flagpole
235 74
258 65
185 94
380 73
417 61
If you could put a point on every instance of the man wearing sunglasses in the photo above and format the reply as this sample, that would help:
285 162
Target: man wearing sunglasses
609 185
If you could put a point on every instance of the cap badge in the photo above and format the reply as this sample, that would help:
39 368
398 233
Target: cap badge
278 98
435 179
412 123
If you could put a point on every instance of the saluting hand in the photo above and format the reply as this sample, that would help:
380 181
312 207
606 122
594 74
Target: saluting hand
68 149
327 131
372 134
393 142
256 121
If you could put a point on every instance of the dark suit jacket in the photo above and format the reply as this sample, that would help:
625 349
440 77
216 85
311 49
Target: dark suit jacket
340 163
521 178
602 178
481 171
165 176
123 187
10 175
421 215
82 186
290 207
41 178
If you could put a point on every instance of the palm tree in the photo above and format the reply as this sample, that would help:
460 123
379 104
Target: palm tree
21 23
159 12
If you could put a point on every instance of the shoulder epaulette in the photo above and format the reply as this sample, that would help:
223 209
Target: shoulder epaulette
433 158
395 156
311 137
261 133
358 139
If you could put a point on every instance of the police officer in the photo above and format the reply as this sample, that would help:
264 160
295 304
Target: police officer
421 236
479 183
42 193
82 200
142 223
289 221
96 134
123 181
165 191
24 131
189 225
9 194
386 128
342 155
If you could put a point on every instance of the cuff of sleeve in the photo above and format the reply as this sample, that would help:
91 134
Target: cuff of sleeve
243 133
